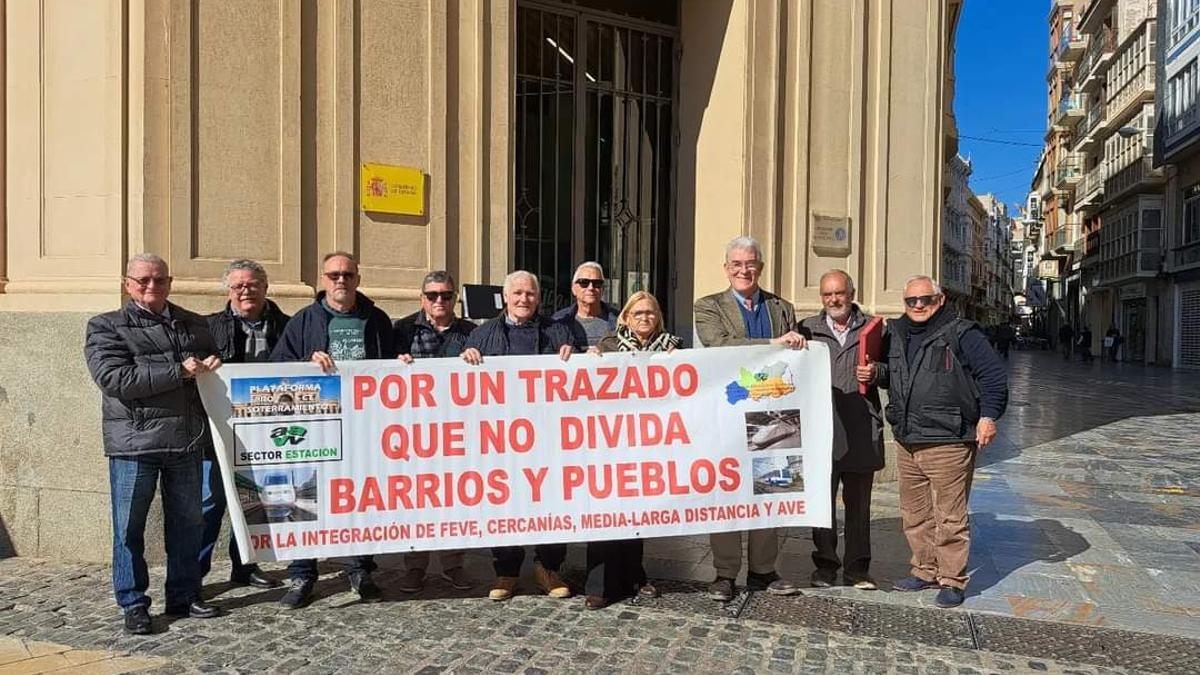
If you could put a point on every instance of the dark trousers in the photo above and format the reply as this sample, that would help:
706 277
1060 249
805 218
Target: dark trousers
614 568
306 568
132 481
213 506
507 560
856 495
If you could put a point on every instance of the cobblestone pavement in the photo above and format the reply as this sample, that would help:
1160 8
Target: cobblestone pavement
1085 559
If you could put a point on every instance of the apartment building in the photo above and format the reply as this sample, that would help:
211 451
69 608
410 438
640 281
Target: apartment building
957 235
1177 311
1102 194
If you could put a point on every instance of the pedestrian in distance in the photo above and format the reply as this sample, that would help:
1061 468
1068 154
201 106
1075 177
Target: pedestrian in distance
857 436
947 389
1112 342
614 567
746 314
1085 344
340 325
519 329
1066 336
589 318
145 358
245 332
429 333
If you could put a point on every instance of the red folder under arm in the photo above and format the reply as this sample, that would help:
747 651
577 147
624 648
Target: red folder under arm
870 343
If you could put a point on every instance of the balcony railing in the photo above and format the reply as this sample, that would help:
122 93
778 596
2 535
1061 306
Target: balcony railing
1095 115
1070 109
1100 46
1065 236
1140 173
1186 255
1091 188
1070 46
1135 90
1067 174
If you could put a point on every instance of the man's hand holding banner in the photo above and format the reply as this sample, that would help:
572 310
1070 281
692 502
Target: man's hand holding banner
383 457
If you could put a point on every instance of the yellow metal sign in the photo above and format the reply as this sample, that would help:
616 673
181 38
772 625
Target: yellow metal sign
393 189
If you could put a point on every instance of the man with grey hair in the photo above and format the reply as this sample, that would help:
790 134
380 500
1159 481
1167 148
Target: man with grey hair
589 318
145 358
433 332
245 331
947 389
745 314
519 329
857 436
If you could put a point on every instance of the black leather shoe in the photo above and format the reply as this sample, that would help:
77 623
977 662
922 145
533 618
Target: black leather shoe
197 610
254 577
137 621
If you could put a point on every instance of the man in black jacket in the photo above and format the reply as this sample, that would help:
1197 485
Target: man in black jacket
429 333
245 332
341 324
521 330
857 436
145 358
946 390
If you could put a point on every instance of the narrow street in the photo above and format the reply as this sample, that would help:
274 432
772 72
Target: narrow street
1085 558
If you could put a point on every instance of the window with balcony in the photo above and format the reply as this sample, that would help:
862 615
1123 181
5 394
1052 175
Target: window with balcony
1191 215
1179 100
1183 16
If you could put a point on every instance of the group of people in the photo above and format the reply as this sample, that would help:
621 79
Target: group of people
1070 343
947 390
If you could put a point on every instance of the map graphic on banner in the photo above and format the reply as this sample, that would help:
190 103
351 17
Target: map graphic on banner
385 457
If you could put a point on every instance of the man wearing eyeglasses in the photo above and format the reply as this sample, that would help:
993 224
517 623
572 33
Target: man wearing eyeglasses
745 314
947 389
589 318
341 324
433 332
245 332
145 358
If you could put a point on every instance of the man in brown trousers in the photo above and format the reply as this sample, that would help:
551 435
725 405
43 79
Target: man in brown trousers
946 390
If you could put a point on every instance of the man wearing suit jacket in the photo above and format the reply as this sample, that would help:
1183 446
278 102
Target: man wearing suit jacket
745 314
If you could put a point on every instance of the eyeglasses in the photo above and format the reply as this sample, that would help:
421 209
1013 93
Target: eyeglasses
594 283
434 296
146 282
644 314
337 276
920 300
248 288
739 265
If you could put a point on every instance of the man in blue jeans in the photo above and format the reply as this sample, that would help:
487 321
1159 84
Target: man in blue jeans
245 332
341 324
145 358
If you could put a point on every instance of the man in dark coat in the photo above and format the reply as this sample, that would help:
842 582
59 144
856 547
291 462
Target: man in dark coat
746 314
520 330
341 324
429 333
145 358
857 436
245 332
946 390
589 318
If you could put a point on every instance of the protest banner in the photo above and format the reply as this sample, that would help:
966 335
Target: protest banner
383 457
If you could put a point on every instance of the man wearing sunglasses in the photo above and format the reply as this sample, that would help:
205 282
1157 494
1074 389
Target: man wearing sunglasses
589 318
745 314
145 358
341 324
947 389
245 332
433 332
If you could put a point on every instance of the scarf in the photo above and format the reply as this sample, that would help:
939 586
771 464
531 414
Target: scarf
628 342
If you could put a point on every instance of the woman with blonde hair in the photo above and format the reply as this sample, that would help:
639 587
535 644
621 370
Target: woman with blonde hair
615 568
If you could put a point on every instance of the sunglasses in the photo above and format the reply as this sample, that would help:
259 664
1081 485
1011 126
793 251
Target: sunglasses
434 296
920 300
585 283
335 276
146 282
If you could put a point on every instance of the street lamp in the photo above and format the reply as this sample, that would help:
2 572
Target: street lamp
1128 131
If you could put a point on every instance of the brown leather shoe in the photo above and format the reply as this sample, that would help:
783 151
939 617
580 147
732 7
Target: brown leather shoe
550 582
595 602
503 589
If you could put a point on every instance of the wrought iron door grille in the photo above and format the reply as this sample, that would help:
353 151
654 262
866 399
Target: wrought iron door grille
595 150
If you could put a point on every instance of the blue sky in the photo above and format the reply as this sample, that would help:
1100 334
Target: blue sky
1000 77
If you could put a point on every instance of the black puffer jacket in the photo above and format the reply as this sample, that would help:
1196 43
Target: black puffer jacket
136 359
231 342
491 338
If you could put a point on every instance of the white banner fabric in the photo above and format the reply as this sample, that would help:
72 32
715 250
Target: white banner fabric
384 457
